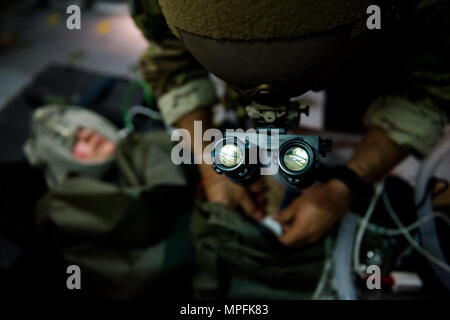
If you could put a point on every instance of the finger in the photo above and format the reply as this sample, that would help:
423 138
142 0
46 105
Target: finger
261 200
257 187
285 216
249 207
292 237
223 201
300 243
216 197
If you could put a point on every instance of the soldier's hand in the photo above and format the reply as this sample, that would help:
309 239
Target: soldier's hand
313 213
221 190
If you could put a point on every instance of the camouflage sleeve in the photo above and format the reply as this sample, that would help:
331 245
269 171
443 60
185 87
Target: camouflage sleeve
415 118
179 82
416 125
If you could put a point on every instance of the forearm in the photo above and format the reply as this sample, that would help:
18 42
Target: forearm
373 158
376 155
187 122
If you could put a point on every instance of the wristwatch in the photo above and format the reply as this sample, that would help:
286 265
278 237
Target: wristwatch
361 191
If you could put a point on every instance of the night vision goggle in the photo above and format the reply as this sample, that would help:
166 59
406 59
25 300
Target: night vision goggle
244 156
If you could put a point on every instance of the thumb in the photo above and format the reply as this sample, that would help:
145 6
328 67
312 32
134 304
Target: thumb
285 216
292 237
249 207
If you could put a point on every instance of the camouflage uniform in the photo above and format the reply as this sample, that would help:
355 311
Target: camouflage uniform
179 82
415 104
233 258
413 113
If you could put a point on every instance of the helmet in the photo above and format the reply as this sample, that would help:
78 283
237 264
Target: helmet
270 50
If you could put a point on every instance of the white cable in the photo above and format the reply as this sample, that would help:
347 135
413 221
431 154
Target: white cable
398 232
152 114
410 239
123 133
135 110
342 281
362 227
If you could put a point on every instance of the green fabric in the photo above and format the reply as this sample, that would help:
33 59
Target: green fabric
236 260
141 235
263 19
128 239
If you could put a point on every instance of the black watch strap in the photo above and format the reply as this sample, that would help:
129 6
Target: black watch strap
361 191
